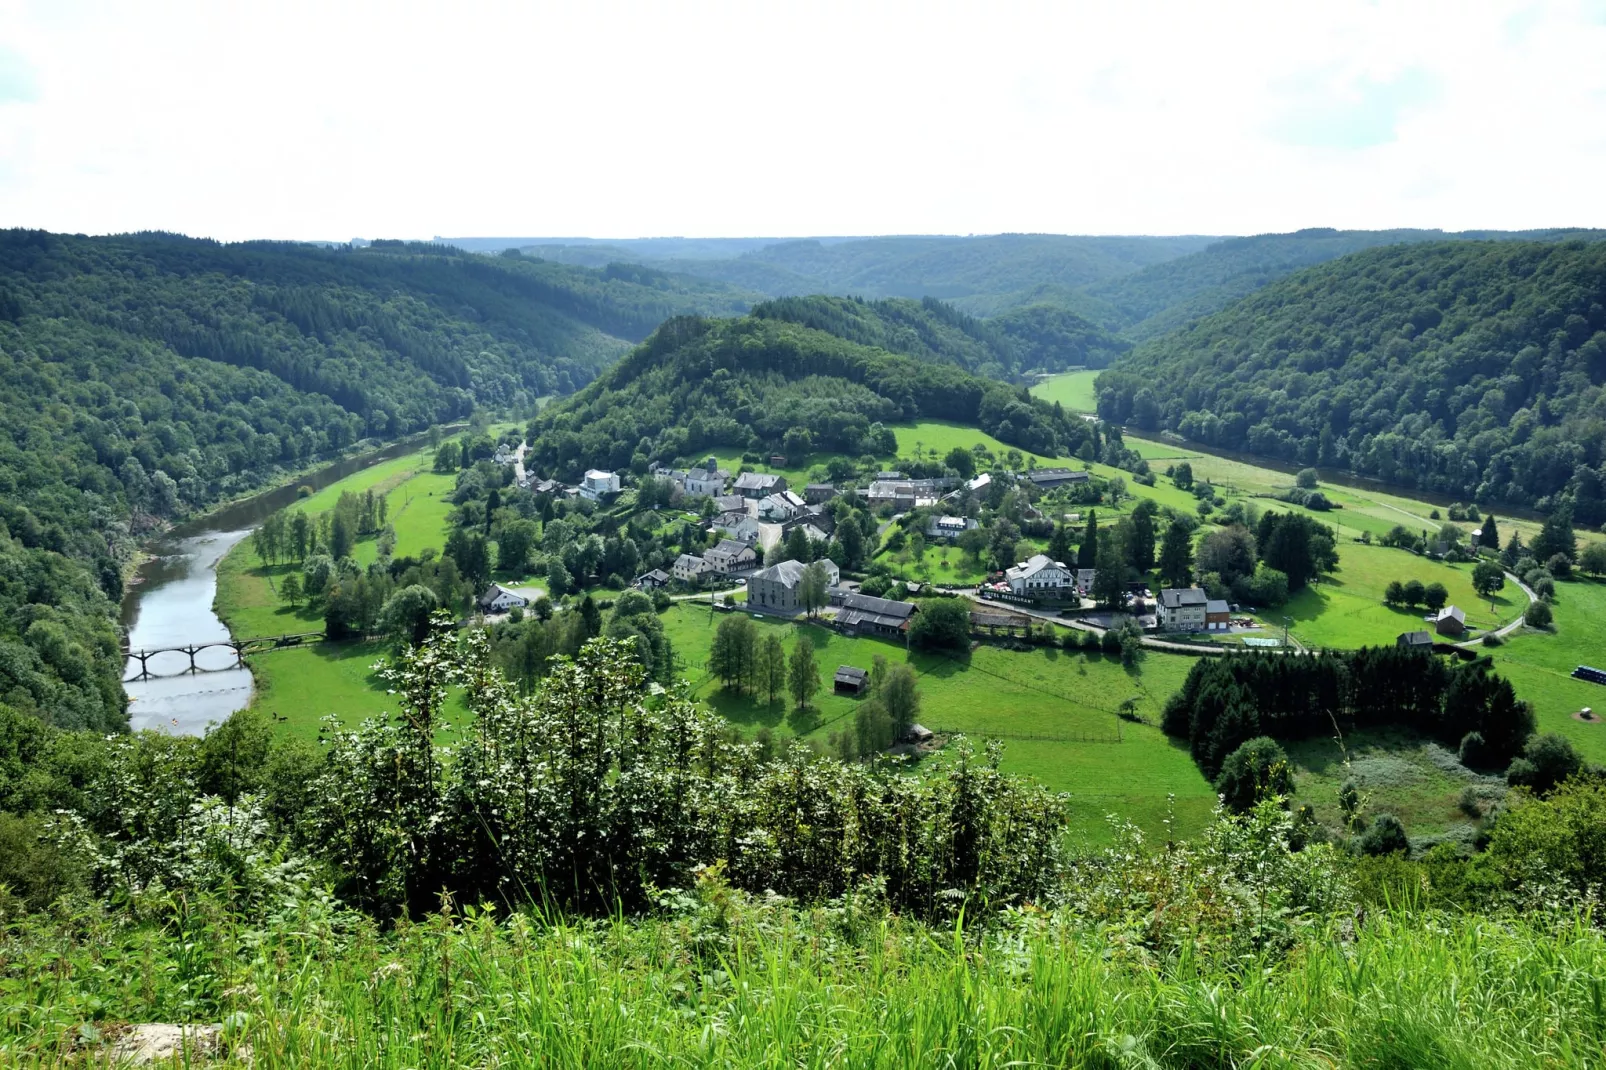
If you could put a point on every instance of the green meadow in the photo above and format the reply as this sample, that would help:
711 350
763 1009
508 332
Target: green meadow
1074 390
1054 712
1346 608
301 685
1539 664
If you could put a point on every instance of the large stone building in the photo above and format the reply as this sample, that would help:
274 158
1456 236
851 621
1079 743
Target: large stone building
1183 609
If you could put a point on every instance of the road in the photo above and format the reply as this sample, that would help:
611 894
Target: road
1148 641
1506 629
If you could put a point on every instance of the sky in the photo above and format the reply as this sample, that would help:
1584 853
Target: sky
333 120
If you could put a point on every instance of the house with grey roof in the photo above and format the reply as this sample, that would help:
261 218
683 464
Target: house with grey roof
730 556
1183 609
690 568
862 614
757 485
950 528
1040 575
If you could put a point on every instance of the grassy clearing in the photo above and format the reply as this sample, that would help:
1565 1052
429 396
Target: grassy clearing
1074 390
1414 779
1067 701
418 507
1346 609
1539 664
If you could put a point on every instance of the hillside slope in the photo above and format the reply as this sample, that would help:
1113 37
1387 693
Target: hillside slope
1171 294
1470 368
994 272
764 383
1038 338
145 377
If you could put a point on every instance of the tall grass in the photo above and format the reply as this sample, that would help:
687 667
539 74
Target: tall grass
761 985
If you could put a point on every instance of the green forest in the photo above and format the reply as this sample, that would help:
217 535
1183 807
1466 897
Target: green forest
1474 369
146 377
1029 339
761 383
1134 288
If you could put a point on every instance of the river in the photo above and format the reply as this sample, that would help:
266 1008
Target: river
170 604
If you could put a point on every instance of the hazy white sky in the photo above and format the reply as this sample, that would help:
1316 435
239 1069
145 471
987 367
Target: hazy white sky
335 120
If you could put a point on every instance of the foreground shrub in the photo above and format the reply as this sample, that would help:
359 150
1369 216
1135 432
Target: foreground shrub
591 792
1257 770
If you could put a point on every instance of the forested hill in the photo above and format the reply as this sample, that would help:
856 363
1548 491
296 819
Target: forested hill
763 383
1036 338
1174 293
1470 368
1135 288
985 273
145 377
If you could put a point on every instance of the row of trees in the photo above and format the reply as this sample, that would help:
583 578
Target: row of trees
1413 593
745 662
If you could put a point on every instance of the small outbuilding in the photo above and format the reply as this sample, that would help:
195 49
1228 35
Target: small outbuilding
1452 620
1415 640
918 733
850 680
651 581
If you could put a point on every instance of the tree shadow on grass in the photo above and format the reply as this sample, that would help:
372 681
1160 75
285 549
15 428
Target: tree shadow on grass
803 721
747 710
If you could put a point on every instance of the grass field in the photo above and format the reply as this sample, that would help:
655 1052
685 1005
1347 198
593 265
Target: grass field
1074 390
1538 664
1346 608
1067 701
303 684
1414 779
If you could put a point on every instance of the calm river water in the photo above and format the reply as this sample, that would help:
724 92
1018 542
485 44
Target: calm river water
171 605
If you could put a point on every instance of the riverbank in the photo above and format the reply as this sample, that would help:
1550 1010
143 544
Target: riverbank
173 599
299 686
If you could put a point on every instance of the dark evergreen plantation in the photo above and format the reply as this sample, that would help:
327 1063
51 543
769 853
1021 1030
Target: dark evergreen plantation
146 377
1475 369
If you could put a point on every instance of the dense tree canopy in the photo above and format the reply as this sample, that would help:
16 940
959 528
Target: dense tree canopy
698 383
146 377
1471 368
1034 338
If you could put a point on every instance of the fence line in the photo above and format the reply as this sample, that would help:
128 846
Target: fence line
1064 737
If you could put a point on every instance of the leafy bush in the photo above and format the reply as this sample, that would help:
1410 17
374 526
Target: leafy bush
1257 770
1385 835
1546 761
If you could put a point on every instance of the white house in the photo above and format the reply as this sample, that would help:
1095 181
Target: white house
689 568
597 483
729 556
1040 575
950 527
1183 609
737 526
780 506
709 478
498 599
